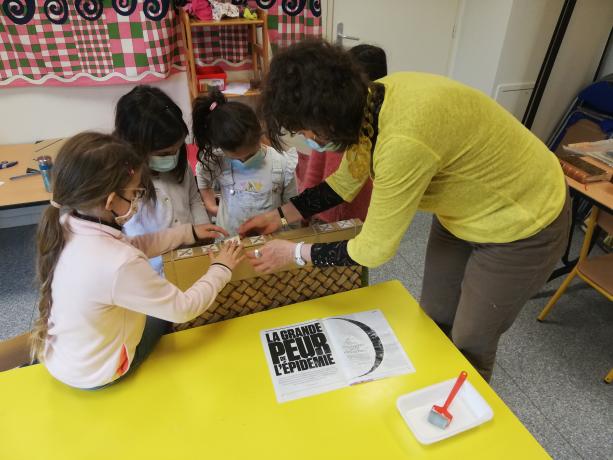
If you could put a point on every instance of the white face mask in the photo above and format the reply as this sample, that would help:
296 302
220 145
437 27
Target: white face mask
164 163
134 203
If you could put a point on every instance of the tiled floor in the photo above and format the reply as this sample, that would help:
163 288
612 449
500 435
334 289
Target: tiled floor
550 374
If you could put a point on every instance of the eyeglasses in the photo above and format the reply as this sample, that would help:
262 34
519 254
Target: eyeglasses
317 138
138 192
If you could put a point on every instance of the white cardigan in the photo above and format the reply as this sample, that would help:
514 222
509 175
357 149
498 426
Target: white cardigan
176 204
103 288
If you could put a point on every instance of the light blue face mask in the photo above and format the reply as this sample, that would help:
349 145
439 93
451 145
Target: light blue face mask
253 162
329 147
164 163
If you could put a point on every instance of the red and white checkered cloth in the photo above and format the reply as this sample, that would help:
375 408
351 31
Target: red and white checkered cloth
115 48
111 49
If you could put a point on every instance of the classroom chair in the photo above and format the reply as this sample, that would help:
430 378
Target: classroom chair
595 271
15 352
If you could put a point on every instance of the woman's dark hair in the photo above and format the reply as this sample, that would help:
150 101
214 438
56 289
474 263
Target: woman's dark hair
149 120
372 59
316 86
218 123
88 168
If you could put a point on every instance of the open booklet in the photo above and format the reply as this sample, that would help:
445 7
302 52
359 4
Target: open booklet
326 354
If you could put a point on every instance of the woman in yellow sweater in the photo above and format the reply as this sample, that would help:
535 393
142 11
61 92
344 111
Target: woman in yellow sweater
498 195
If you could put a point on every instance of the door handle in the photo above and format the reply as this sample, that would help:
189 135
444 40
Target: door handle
346 37
340 36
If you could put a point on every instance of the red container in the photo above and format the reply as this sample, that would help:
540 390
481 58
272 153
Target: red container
210 75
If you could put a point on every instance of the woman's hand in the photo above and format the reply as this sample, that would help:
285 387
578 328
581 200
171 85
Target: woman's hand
229 255
272 256
209 231
262 224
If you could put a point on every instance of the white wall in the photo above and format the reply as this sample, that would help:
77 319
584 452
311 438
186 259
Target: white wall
480 35
32 113
577 60
529 30
528 33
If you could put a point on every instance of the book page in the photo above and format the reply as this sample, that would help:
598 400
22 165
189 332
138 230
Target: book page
301 360
367 348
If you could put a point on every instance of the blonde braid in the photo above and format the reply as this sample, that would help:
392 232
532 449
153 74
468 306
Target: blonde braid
359 154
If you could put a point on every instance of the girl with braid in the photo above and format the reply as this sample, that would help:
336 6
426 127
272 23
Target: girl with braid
102 307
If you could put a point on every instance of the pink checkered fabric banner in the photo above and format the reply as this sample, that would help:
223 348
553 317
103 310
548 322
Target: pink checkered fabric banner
227 46
111 49
114 48
285 30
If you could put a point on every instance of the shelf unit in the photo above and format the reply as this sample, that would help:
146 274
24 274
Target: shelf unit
259 48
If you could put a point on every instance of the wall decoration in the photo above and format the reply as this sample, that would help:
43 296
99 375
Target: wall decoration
101 42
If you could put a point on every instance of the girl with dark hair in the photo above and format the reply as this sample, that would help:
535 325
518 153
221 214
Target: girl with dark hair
153 124
252 177
102 307
498 195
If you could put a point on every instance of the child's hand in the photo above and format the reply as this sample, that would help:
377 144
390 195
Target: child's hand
262 224
229 255
209 231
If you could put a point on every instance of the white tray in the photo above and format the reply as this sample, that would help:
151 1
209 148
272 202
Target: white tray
469 410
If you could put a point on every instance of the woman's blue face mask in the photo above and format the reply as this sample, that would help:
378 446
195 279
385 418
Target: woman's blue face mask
164 163
329 147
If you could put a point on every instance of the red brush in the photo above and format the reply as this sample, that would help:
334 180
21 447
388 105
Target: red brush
440 415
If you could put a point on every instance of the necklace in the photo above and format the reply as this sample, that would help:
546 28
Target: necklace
359 155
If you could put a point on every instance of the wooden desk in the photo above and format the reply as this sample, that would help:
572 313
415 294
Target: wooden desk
600 193
207 393
28 191
597 194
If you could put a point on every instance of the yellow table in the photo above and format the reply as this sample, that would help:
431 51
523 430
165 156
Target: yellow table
207 393
27 191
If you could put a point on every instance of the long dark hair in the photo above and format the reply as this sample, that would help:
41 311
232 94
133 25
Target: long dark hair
88 168
218 123
149 120
372 59
317 86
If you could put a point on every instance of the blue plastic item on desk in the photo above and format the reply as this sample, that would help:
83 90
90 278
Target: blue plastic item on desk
44 165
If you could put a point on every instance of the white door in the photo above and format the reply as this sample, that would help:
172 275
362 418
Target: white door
415 34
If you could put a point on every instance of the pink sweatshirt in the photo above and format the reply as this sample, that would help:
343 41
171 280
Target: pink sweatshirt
318 167
103 288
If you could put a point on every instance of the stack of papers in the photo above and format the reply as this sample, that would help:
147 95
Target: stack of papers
236 88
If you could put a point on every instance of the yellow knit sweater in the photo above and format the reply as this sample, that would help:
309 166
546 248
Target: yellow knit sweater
448 149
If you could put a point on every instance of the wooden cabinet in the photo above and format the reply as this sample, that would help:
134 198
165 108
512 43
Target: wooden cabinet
258 44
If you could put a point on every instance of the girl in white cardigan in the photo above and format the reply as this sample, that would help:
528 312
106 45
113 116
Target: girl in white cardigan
102 306
149 120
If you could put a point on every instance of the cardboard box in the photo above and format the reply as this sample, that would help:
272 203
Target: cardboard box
185 266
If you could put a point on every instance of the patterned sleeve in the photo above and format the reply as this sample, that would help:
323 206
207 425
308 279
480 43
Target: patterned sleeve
331 254
315 200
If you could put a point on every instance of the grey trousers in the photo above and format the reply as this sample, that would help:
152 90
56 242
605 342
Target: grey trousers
475 291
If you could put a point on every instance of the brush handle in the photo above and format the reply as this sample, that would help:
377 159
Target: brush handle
456 387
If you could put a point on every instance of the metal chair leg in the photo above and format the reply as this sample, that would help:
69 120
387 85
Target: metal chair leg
557 295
